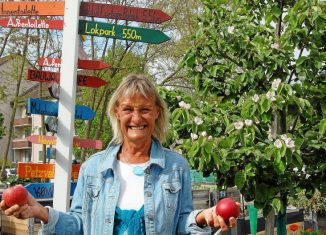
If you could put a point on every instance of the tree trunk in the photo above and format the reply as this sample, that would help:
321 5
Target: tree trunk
5 42
13 114
270 223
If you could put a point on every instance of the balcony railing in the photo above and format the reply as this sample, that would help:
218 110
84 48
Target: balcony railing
27 121
21 144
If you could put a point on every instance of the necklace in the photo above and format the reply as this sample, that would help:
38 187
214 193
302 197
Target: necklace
137 169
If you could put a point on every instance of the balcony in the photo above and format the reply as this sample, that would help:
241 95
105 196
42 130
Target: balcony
27 121
21 144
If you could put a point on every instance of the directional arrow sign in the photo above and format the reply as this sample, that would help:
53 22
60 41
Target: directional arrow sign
82 64
45 190
119 12
77 142
136 34
46 76
42 170
43 107
32 8
31 23
92 64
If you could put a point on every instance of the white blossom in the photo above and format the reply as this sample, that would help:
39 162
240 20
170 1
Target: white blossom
284 137
172 146
184 105
204 133
275 46
271 95
179 141
210 137
255 98
178 98
231 29
248 122
275 84
187 106
227 92
239 70
295 169
179 151
199 68
238 125
194 136
289 143
307 176
278 143
303 169
198 120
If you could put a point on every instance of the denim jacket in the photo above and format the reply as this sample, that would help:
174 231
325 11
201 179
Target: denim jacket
167 196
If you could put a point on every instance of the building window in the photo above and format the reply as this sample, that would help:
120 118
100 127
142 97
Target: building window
28 155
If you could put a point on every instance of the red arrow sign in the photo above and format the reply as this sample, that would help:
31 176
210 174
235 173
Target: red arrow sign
31 23
82 64
77 142
92 64
46 76
49 62
120 12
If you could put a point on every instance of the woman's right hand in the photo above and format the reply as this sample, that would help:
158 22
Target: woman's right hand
32 209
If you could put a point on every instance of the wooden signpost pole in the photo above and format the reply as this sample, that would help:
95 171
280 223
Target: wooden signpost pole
66 106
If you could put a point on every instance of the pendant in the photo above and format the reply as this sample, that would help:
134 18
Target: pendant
138 170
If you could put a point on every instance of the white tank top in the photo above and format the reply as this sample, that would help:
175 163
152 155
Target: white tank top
131 186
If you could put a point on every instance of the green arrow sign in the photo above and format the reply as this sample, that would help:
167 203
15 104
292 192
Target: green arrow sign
136 34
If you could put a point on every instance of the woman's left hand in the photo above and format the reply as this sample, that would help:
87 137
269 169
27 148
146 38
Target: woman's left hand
210 218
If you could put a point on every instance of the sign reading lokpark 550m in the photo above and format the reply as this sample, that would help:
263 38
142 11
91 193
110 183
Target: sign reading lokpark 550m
122 32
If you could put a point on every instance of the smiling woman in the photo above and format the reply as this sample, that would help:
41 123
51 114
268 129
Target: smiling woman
135 186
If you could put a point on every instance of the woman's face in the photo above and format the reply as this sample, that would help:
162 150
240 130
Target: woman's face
137 115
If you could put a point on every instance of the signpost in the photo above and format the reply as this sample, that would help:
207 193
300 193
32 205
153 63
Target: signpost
136 34
31 23
77 142
82 64
47 76
32 8
42 170
43 107
120 12
45 190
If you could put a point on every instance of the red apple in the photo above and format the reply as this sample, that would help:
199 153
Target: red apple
15 195
227 208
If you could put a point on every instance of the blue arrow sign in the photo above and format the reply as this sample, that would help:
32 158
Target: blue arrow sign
43 107
45 190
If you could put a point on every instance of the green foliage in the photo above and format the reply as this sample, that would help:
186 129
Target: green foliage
248 74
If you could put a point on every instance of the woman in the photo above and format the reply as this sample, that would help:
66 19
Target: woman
135 186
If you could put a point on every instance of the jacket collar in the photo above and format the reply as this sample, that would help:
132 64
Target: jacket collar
109 157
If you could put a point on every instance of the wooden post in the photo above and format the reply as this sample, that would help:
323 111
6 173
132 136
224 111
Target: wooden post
66 113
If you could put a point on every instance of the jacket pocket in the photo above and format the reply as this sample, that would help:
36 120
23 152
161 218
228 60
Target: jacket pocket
171 194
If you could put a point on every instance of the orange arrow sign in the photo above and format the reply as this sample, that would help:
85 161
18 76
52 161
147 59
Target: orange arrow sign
42 170
82 64
32 8
46 76
77 142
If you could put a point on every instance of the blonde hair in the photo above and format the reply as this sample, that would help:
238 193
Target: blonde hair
138 84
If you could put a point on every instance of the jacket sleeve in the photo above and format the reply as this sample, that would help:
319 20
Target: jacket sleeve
187 222
71 222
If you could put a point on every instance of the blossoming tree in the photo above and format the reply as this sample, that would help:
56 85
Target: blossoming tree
258 118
